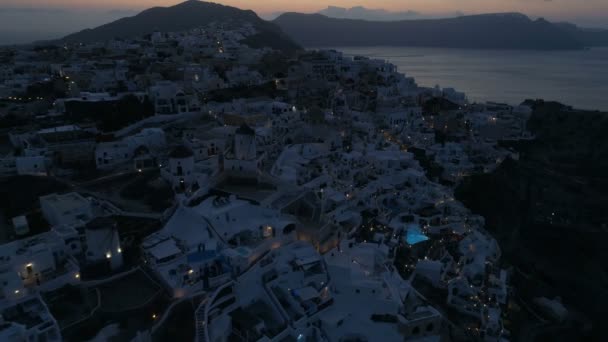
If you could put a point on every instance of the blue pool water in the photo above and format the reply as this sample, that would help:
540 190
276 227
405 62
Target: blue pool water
414 235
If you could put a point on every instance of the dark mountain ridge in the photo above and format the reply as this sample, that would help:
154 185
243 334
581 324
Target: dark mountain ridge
181 17
588 36
486 31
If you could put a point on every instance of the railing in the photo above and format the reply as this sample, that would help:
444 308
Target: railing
97 282
201 314
167 312
277 304
98 296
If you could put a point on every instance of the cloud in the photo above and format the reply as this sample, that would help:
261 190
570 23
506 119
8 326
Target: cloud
26 10
360 12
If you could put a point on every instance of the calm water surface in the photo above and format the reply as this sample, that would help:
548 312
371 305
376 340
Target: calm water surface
577 78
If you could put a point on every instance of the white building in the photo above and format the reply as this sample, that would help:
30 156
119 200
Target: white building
28 320
244 161
111 154
434 271
66 209
168 98
20 225
185 254
149 142
277 299
103 242
181 167
43 261
8 167
371 299
247 230
35 166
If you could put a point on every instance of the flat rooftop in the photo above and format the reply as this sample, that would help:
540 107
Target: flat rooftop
65 202
30 312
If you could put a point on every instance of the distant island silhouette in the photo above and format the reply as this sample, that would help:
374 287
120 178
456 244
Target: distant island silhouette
486 31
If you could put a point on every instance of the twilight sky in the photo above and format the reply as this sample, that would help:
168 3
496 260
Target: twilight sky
53 18
549 8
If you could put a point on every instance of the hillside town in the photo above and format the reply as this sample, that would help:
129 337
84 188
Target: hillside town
197 185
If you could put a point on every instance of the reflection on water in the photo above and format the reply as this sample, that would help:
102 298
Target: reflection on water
577 78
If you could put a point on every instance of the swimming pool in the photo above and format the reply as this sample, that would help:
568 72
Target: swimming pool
414 234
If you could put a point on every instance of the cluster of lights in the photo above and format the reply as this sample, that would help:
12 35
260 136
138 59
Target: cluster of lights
15 98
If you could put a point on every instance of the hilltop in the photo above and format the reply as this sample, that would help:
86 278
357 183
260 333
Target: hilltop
184 16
